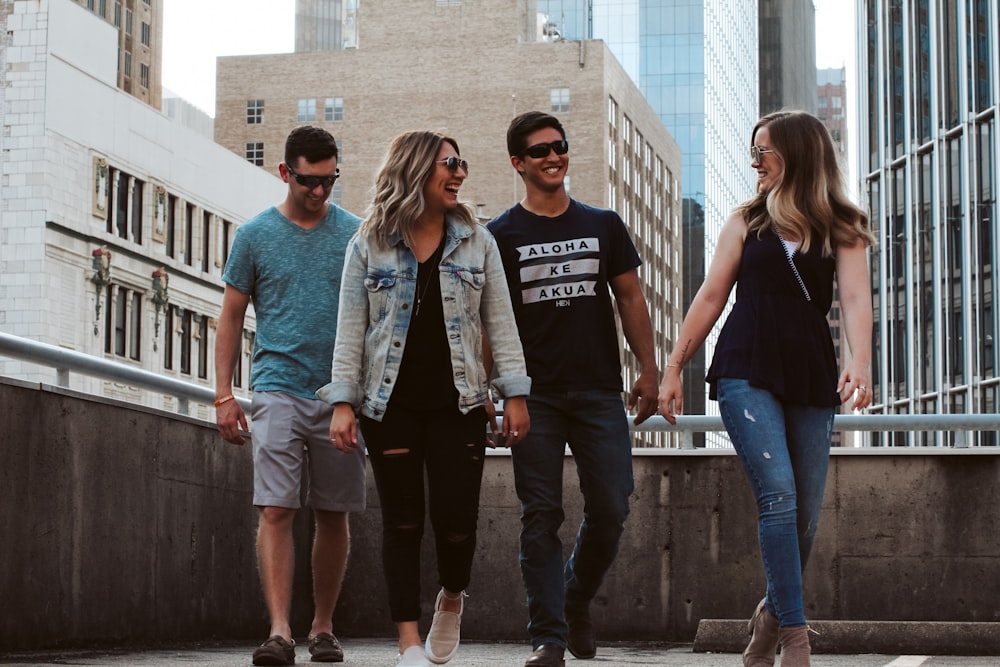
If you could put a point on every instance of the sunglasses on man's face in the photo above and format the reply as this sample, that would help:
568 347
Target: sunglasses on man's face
453 163
539 151
311 182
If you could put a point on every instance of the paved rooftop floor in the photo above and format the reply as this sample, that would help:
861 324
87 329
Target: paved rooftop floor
382 652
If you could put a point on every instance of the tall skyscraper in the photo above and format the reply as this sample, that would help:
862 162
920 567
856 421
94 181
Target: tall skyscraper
140 35
787 33
696 62
929 143
831 89
325 25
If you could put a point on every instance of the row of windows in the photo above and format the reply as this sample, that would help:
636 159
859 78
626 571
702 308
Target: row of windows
308 108
184 337
188 233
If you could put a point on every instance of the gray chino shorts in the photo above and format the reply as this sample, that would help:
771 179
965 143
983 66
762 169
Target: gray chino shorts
292 450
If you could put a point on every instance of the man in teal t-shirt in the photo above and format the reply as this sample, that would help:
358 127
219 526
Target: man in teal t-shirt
288 261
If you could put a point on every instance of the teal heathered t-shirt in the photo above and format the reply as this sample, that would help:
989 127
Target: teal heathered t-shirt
293 278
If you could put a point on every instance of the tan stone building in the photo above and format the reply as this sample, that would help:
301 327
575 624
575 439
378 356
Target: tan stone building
140 44
466 71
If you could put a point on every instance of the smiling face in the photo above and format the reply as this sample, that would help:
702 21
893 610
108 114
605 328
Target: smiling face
768 163
441 188
544 173
308 201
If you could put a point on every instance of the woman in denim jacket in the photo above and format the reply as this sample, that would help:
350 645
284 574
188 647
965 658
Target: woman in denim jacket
423 285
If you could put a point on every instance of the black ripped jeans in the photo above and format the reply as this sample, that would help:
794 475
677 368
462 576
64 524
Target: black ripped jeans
451 446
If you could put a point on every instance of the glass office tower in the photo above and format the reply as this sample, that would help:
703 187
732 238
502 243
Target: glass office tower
696 63
929 145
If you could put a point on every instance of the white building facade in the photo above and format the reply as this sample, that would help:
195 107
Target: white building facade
115 219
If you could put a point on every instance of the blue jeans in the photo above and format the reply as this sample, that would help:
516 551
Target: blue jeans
595 426
785 450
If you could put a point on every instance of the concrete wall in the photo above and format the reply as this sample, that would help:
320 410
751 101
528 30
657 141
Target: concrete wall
120 523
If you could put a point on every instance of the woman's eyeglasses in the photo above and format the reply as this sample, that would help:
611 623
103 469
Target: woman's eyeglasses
453 163
312 181
756 152
539 151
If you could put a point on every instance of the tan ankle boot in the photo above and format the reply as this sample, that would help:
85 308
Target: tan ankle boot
794 646
763 629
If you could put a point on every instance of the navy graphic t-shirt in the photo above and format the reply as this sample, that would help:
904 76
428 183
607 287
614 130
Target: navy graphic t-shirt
558 271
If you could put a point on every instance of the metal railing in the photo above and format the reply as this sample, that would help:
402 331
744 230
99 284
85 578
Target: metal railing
66 361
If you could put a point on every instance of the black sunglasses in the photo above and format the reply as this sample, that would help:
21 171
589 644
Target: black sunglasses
539 151
453 163
312 181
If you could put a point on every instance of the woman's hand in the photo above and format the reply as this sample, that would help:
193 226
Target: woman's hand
671 396
516 422
856 381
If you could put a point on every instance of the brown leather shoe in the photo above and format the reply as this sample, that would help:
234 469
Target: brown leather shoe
580 638
547 655
276 650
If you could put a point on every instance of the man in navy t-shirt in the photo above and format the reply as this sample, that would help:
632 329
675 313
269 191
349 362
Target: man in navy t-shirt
564 260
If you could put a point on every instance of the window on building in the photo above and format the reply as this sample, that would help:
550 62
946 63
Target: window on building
128 21
255 112
136 213
255 153
124 205
144 33
306 110
90 5
128 64
185 334
102 8
206 235
171 232
333 108
118 14
144 75
123 322
189 210
227 234
135 326
238 368
168 338
560 99
120 188
201 333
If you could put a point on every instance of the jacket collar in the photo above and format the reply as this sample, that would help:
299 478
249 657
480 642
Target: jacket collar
455 230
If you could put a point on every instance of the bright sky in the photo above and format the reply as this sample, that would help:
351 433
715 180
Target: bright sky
196 31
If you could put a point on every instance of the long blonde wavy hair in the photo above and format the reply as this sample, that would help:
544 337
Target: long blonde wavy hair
398 198
809 201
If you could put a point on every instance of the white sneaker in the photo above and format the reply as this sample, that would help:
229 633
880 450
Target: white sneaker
442 640
413 657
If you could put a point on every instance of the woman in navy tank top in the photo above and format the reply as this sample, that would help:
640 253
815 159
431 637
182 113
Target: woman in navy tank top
774 370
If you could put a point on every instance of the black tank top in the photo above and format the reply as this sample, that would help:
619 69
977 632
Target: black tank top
775 337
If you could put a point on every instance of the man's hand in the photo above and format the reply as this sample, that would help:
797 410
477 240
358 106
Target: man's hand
642 398
231 420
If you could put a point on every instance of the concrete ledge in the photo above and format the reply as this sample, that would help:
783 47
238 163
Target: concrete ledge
888 637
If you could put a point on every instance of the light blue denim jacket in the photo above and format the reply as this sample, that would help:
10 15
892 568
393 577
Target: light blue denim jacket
376 298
